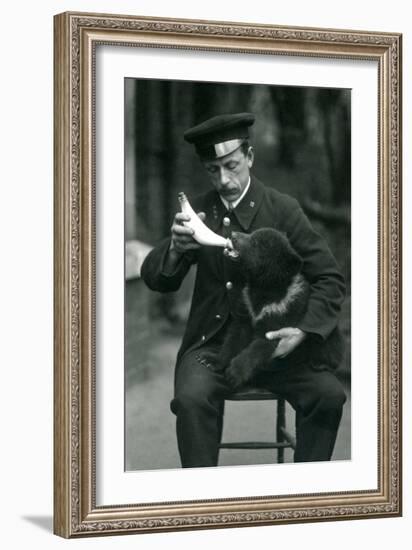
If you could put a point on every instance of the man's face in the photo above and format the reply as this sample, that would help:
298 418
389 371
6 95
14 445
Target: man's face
230 174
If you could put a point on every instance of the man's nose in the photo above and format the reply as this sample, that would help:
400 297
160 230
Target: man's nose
224 176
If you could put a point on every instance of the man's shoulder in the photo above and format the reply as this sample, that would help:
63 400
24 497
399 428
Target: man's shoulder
276 198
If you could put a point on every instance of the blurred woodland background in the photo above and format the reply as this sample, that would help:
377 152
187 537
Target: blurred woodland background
302 143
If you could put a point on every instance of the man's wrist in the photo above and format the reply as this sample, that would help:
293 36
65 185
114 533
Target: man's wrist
177 254
172 258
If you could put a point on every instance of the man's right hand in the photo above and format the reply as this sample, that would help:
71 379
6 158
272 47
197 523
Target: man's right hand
182 236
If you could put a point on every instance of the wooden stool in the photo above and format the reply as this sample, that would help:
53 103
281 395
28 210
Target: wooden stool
283 440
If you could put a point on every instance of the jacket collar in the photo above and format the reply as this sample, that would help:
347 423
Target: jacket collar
244 212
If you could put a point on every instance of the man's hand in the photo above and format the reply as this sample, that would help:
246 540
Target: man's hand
182 236
289 338
182 241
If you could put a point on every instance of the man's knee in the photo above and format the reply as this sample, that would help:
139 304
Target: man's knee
188 399
193 398
331 395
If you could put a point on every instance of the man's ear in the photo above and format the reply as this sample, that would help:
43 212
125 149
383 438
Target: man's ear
250 156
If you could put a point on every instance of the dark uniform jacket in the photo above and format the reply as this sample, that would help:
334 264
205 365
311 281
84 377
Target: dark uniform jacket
218 281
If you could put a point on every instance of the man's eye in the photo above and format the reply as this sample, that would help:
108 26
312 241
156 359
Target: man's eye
231 166
212 169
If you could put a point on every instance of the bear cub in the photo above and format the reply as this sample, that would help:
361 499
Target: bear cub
275 295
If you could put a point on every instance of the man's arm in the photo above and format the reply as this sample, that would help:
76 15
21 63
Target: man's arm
159 273
327 283
166 266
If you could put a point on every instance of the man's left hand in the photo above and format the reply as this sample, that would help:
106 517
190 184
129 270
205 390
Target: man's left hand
289 338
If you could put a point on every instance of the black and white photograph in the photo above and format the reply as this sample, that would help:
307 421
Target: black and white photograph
237 292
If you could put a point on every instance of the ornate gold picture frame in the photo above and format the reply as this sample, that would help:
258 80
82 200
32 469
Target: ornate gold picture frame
76 510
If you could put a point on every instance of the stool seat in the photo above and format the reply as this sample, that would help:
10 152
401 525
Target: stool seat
283 440
250 393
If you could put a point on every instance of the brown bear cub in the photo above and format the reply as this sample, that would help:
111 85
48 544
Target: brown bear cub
275 295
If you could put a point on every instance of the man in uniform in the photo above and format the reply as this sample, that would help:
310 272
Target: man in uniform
240 202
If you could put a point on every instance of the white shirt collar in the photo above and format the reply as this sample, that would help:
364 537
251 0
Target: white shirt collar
237 201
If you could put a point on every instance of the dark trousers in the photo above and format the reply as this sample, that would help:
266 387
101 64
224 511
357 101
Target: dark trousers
198 403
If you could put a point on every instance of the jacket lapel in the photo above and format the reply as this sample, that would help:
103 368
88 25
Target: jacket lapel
244 212
247 209
215 211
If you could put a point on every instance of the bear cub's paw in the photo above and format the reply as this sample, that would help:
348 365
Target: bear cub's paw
244 367
239 372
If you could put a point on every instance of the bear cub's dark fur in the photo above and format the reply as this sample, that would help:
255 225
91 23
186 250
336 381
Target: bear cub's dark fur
275 295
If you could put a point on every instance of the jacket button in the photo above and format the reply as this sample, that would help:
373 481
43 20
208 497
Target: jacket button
218 316
203 338
229 285
226 221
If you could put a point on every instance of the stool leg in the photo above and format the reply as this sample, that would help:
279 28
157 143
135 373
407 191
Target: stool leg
280 424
